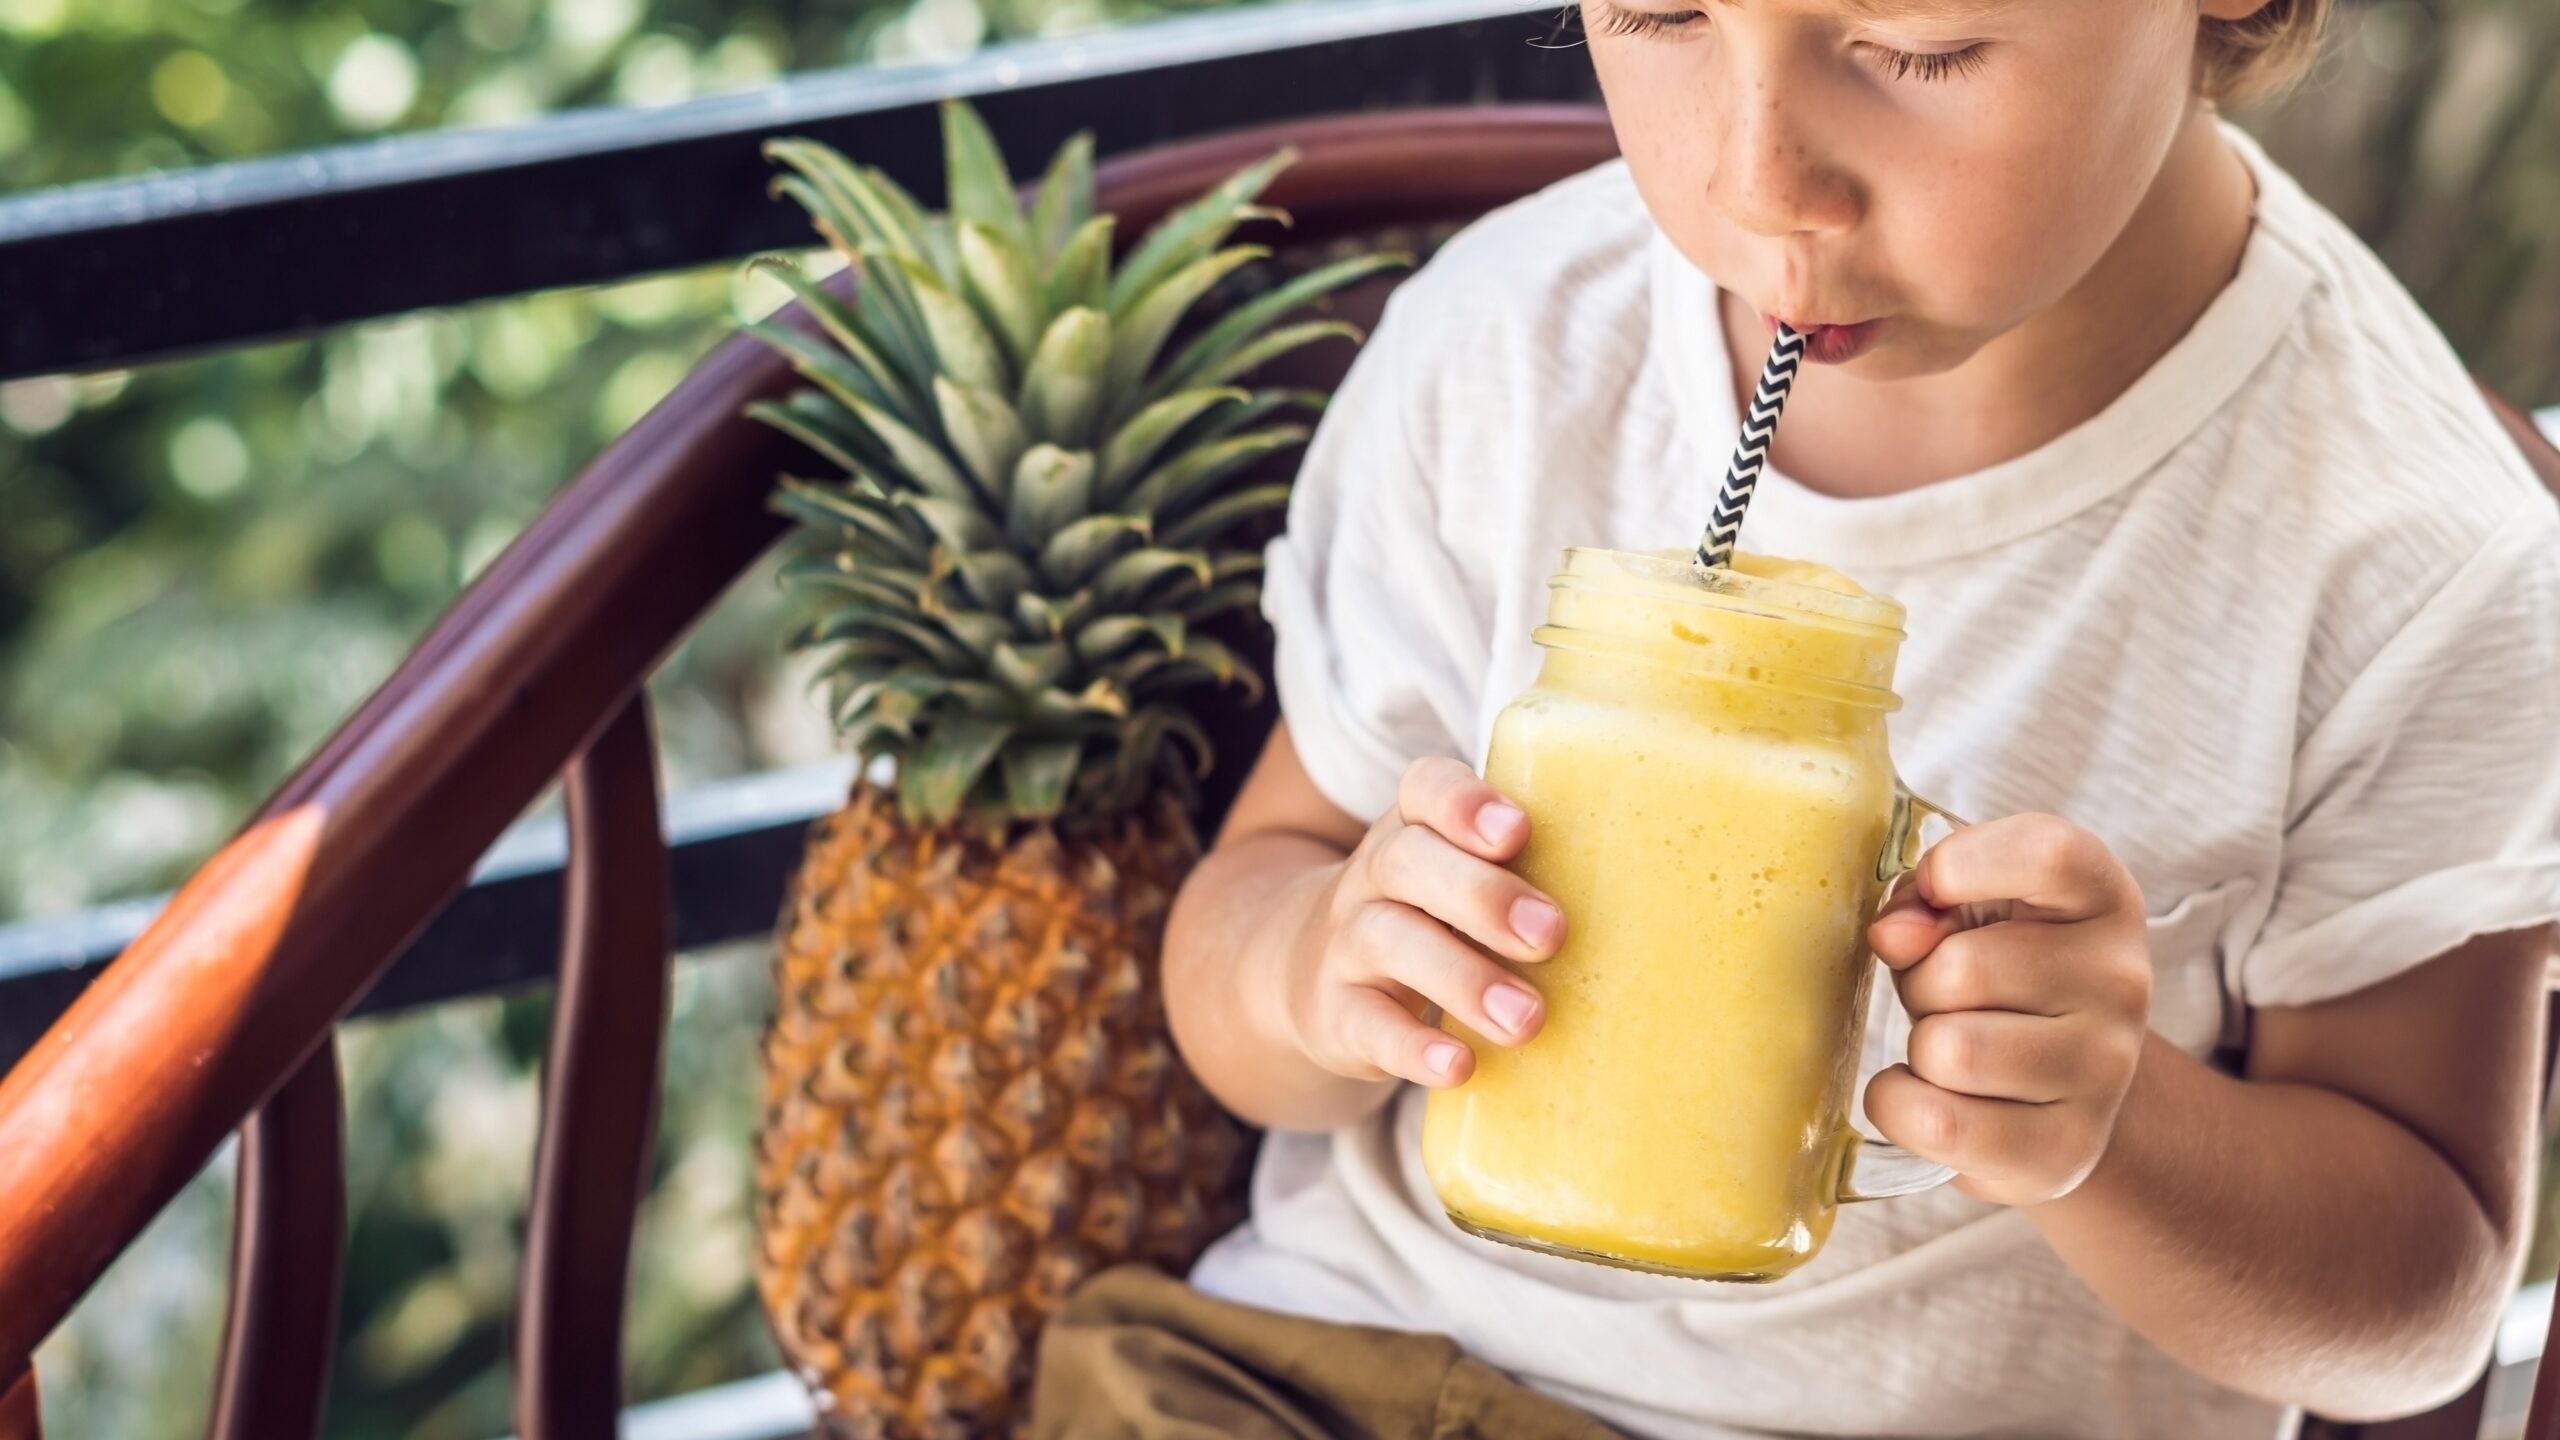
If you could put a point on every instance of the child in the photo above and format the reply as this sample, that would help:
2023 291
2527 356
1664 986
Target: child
2226 593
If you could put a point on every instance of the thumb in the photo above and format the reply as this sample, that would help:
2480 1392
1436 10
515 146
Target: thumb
1908 928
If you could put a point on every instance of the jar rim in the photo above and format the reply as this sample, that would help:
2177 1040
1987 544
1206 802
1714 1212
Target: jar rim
1682 580
1673 577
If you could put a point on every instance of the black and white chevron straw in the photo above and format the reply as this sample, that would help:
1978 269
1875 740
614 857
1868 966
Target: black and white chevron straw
1751 452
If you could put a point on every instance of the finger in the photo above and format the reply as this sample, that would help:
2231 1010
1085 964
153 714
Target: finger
1909 928
2052 868
1477 898
1452 799
1978 1137
1383 1035
2031 967
2022 965
1401 944
2002 1055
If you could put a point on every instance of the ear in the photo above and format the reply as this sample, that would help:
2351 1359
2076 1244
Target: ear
2229 9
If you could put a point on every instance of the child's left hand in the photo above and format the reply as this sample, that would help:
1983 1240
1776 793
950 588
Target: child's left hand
2029 1023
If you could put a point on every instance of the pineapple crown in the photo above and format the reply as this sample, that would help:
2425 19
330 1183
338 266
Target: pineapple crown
1035 517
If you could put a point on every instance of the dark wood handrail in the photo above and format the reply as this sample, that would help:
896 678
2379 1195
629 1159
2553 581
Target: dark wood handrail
600 1091
19 1418
201 1020
288 1239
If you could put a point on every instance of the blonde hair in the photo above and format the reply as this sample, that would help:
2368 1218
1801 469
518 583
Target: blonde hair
2260 56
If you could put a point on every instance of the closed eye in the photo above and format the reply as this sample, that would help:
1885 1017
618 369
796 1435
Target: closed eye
1617 20
1918 65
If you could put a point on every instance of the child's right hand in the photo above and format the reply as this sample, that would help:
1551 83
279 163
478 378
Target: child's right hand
1406 925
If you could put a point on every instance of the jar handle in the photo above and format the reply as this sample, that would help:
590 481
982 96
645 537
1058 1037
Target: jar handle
1879 1169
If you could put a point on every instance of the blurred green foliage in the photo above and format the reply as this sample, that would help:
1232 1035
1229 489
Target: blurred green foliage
204 565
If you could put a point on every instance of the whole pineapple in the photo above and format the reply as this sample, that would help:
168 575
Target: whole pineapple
969 1099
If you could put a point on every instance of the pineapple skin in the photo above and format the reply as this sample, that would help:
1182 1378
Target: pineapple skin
971 1103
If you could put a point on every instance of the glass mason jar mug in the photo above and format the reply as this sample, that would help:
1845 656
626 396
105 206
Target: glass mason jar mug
1704 764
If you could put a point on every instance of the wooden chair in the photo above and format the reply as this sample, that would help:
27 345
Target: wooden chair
221 1016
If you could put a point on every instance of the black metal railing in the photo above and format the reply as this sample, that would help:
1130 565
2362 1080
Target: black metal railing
731 845
124 272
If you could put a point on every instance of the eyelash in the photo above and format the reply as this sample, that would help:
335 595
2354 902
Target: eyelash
1903 64
1897 64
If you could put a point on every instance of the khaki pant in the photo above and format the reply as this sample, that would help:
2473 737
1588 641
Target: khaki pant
1138 1356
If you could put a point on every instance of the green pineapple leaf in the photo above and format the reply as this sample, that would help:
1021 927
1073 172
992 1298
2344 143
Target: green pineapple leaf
1041 617
1037 774
1221 341
1174 486
995 579
1027 670
1055 709
1219 516
979 633
1142 331
885 623
957 523
1222 599
938 776
915 456
831 212
1134 444
827 507
839 374
981 187
1194 230
1276 344
883 584
1081 275
1062 390
1122 581
852 200
984 429
1076 552
1114 634
1051 487
901 332
1065 198
1001 282
843 323
854 452
968 353
931 234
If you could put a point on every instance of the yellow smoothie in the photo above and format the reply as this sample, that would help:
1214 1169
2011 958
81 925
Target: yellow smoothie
1709 790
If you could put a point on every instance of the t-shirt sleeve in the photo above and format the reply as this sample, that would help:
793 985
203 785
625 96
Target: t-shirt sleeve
1374 619
2425 805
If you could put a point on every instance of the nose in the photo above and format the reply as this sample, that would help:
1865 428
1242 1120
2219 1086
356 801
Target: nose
1770 177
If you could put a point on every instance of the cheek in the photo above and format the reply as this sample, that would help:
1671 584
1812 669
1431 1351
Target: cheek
1666 130
1988 231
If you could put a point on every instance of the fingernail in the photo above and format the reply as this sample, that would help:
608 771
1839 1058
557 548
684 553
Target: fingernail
1535 921
1510 1007
1499 821
1443 1056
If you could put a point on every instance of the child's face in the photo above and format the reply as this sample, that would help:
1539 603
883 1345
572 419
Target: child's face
1945 168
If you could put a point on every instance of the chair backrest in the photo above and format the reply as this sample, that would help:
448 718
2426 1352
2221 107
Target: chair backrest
220 1015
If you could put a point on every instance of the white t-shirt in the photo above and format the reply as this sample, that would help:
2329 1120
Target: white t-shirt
2281 625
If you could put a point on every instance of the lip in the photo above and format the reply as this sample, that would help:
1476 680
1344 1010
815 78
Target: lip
1831 344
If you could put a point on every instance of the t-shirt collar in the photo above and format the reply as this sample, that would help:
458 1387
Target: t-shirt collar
2014 498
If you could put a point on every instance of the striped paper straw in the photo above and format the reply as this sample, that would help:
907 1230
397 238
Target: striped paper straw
1751 452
